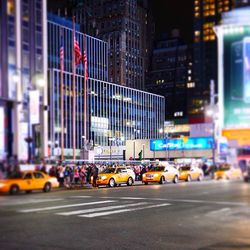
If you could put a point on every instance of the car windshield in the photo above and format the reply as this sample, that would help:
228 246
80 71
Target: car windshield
109 171
184 168
157 169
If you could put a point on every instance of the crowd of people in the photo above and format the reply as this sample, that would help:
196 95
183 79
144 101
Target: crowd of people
70 175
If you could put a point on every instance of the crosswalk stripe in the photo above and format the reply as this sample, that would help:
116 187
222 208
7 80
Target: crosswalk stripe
91 210
79 196
132 198
122 211
63 206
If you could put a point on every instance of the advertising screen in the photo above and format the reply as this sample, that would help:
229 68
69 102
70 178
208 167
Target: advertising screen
180 144
237 77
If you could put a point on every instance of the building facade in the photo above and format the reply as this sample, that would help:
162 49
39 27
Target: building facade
242 3
23 78
171 75
207 14
115 113
127 27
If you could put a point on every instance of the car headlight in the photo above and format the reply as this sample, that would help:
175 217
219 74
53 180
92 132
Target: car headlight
156 175
2 185
104 177
143 175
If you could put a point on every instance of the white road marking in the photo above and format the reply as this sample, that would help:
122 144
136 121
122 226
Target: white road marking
26 201
84 196
224 211
132 198
91 210
122 211
63 206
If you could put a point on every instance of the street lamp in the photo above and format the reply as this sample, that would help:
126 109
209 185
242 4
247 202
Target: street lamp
211 112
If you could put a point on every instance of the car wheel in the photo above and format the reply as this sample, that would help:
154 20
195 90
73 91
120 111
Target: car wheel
200 178
14 189
47 187
162 180
188 178
146 183
130 181
176 179
112 182
28 191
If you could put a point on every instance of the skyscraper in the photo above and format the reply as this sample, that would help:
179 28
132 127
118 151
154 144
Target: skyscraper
128 28
207 14
23 78
171 74
242 3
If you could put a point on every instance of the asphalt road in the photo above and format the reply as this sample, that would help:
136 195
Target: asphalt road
197 215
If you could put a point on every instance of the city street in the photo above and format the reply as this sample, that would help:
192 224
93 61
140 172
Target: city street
198 215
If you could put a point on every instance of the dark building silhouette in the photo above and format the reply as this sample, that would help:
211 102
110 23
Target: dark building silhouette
171 75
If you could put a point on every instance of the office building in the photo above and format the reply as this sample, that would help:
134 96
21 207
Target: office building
241 3
207 14
127 27
115 113
171 74
23 79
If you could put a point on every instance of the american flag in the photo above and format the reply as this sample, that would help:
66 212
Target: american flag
78 54
62 55
85 63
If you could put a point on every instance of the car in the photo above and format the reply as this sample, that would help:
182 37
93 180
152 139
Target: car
189 173
161 174
227 172
28 181
115 176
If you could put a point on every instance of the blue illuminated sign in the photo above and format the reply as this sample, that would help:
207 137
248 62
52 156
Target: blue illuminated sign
180 144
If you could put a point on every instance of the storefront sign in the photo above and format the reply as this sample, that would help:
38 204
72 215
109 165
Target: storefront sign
181 144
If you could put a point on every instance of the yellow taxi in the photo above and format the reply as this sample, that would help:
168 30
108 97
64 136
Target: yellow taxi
27 181
161 174
115 176
227 172
189 173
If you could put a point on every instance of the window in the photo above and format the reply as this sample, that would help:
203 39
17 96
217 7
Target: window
11 7
38 175
28 176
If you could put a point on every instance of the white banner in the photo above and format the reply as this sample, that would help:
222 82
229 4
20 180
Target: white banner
34 106
2 139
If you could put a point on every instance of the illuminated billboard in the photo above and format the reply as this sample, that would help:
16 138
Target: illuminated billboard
198 143
236 102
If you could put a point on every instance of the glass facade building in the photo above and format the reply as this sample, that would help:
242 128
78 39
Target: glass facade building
113 111
22 70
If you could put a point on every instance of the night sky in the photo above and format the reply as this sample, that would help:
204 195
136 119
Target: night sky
171 14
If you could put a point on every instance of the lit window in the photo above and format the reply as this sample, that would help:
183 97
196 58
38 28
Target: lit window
10 7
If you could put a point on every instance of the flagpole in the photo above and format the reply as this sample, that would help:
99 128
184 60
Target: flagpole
85 91
74 98
62 97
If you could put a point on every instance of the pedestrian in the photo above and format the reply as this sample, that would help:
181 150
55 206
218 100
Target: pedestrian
94 175
89 170
76 175
83 175
67 182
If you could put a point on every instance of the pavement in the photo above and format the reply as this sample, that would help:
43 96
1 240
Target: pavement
198 215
